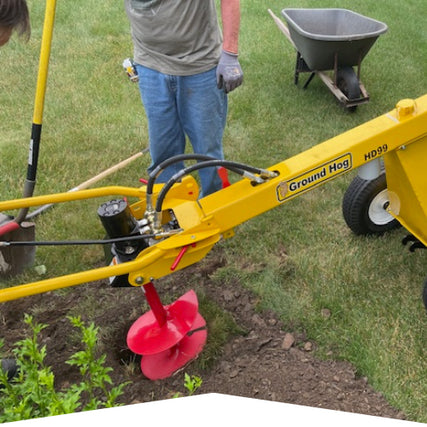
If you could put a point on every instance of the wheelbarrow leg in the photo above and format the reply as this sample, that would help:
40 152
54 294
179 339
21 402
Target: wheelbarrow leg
297 68
302 67
309 80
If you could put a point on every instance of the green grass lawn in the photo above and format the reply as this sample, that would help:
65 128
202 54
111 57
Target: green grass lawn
93 118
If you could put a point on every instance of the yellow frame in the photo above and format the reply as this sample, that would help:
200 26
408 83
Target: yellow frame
399 137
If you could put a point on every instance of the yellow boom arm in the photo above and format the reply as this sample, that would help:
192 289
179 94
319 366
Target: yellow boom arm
399 137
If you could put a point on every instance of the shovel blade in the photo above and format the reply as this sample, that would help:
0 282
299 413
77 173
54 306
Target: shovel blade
14 259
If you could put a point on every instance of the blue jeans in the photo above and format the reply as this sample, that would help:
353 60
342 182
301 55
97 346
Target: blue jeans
184 106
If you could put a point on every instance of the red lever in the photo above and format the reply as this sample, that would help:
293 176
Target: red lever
223 174
178 259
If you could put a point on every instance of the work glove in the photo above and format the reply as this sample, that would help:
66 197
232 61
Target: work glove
229 74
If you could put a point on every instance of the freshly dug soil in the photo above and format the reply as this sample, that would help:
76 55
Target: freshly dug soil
266 362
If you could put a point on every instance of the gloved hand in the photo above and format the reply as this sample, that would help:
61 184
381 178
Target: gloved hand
229 74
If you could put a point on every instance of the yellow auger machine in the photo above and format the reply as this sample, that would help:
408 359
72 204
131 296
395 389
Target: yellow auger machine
170 228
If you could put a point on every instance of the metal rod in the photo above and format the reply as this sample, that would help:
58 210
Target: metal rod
72 196
91 181
154 302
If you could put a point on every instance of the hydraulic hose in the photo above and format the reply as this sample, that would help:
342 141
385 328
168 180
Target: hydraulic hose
78 242
163 165
234 166
175 159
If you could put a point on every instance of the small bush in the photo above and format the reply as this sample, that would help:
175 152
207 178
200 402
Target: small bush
32 394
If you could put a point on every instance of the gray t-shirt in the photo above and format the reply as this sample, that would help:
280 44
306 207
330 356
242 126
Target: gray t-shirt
177 37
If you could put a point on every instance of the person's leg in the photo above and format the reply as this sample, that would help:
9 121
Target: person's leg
202 110
166 136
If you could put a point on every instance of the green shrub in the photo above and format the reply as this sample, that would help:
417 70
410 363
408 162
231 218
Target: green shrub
32 394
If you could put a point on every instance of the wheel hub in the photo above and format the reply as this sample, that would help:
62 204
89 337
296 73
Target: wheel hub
377 211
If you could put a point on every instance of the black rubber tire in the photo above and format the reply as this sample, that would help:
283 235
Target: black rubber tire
348 83
364 205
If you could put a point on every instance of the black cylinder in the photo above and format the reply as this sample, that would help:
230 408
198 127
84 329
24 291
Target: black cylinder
116 218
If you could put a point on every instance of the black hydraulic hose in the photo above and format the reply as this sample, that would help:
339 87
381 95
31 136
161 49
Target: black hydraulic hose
171 160
209 163
79 242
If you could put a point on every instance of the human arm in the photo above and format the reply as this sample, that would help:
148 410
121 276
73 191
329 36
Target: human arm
230 15
229 72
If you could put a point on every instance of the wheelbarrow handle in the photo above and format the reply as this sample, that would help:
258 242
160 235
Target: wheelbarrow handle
282 27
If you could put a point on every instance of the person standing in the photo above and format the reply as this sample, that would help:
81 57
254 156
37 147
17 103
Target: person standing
186 67
13 16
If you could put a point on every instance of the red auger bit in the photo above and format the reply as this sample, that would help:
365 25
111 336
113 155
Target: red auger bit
168 337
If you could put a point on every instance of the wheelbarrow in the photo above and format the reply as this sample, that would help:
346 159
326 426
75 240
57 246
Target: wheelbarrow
332 39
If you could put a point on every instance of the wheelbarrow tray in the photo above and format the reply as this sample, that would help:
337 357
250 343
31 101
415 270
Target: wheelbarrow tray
323 36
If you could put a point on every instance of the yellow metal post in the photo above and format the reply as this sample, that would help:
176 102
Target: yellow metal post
46 44
36 128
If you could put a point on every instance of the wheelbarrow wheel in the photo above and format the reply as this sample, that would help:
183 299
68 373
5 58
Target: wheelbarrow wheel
364 206
348 83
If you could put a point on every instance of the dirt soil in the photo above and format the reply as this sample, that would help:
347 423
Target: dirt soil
266 362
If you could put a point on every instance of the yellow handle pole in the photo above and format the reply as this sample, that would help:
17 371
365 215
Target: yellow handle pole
36 128
44 61
15 292
72 196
